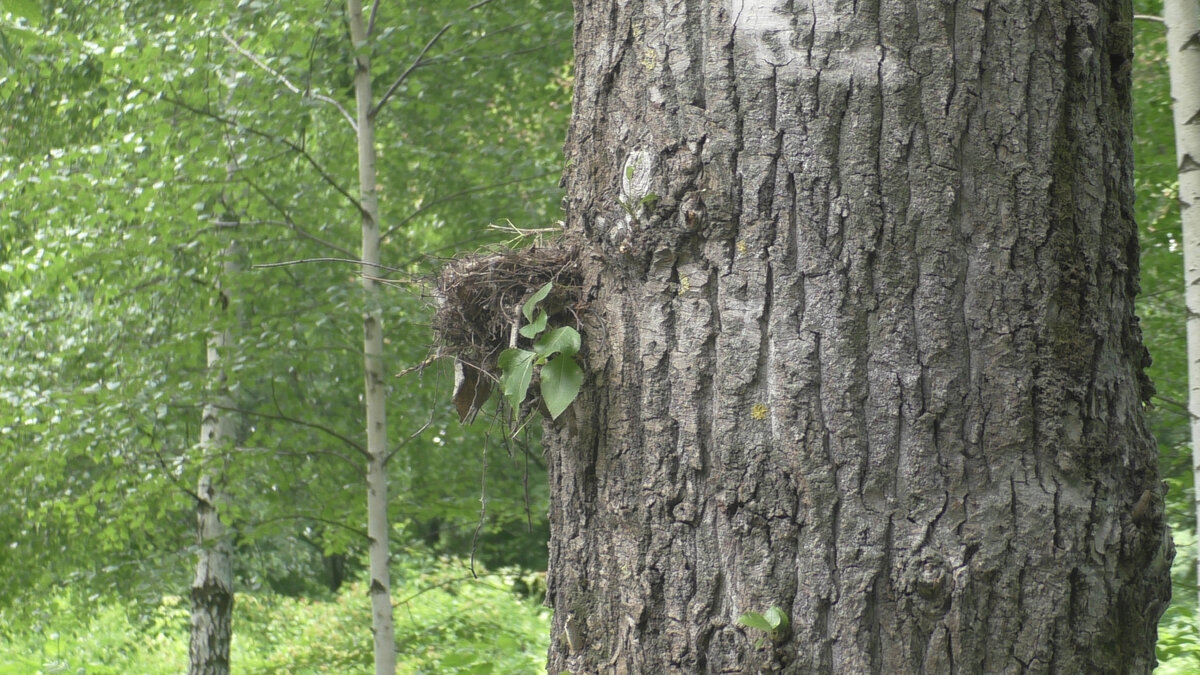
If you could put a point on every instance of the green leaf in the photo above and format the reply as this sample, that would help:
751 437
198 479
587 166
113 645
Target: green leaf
26 9
561 381
755 620
516 367
564 340
532 302
530 330
776 618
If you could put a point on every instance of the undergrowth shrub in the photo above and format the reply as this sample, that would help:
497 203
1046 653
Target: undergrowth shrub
446 622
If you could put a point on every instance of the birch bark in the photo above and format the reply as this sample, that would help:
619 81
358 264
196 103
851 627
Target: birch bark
1183 58
377 477
212 586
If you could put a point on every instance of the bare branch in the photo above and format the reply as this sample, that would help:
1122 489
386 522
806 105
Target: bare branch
216 117
412 437
291 223
1149 17
152 436
455 195
371 21
351 261
293 420
420 366
315 519
413 66
304 453
287 83
482 507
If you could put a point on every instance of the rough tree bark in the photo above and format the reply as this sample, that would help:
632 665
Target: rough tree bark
377 453
1182 18
862 343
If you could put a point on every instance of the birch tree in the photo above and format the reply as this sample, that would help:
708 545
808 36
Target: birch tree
866 388
1182 18
212 586
373 364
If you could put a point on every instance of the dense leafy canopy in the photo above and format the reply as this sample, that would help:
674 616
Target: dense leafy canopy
139 141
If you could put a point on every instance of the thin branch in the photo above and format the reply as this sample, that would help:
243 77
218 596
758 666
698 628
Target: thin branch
1149 17
315 519
371 21
482 507
420 60
420 366
279 409
389 282
1181 408
524 232
255 132
351 261
287 83
467 47
455 195
412 437
169 473
307 454
293 420
291 223
413 66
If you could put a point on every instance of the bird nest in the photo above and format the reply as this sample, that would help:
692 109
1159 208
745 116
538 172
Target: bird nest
480 298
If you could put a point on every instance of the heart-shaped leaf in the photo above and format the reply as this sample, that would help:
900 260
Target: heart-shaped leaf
516 366
561 381
776 618
755 620
563 340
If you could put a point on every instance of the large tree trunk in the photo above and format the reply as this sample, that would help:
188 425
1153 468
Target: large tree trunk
373 392
862 343
1183 56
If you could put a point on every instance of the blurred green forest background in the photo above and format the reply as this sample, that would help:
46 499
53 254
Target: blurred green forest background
136 142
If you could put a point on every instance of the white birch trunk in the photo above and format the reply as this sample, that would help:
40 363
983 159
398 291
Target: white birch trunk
377 479
212 587
1183 57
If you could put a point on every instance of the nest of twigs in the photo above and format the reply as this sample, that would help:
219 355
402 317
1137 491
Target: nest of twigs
481 295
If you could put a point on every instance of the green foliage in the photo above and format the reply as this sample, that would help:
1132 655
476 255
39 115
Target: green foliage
773 622
120 123
553 356
25 9
1178 642
446 622
1163 314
